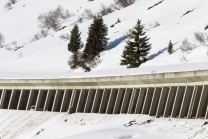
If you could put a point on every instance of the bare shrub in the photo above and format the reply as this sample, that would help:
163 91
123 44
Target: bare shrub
8 6
105 10
51 19
124 3
75 60
80 20
38 36
12 1
206 27
155 5
87 14
186 46
201 38
154 25
65 37
1 40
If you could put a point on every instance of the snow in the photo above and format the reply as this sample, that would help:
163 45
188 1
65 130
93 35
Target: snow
47 58
42 125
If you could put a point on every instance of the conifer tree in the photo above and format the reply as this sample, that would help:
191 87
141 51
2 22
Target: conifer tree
137 48
75 40
170 47
96 37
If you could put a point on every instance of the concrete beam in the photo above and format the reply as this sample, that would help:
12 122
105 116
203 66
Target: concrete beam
29 102
82 100
20 102
11 101
119 100
64 101
56 99
126 101
2 99
133 100
104 101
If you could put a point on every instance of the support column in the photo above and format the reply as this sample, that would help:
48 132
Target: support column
125 104
147 101
39 99
178 101
11 101
89 103
193 97
206 116
170 101
104 101
71 104
2 99
186 101
118 102
29 102
20 102
111 102
162 102
202 102
82 100
155 101
97 100
140 101
48 99
64 101
132 101
56 99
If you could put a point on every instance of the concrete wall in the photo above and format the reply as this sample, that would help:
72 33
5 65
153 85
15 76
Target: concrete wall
182 94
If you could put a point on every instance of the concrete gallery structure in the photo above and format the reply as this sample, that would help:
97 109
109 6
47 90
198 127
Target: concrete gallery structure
172 94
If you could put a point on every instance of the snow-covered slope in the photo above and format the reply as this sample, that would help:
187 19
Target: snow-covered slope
48 125
49 56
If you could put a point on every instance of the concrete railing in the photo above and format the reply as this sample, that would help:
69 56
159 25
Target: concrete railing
178 94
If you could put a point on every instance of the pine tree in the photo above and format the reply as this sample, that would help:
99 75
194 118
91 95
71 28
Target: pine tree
170 47
137 48
75 40
96 37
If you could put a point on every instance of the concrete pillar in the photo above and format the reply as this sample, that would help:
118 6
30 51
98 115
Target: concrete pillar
126 100
196 98
119 100
48 99
7 99
193 97
206 116
11 101
64 101
71 104
140 101
2 99
82 100
155 101
104 101
202 103
147 101
39 99
29 102
56 99
186 101
132 100
111 102
162 102
178 101
89 102
97 100
170 101
20 102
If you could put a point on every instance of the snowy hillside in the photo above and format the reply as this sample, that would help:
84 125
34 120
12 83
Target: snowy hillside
48 57
48 125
